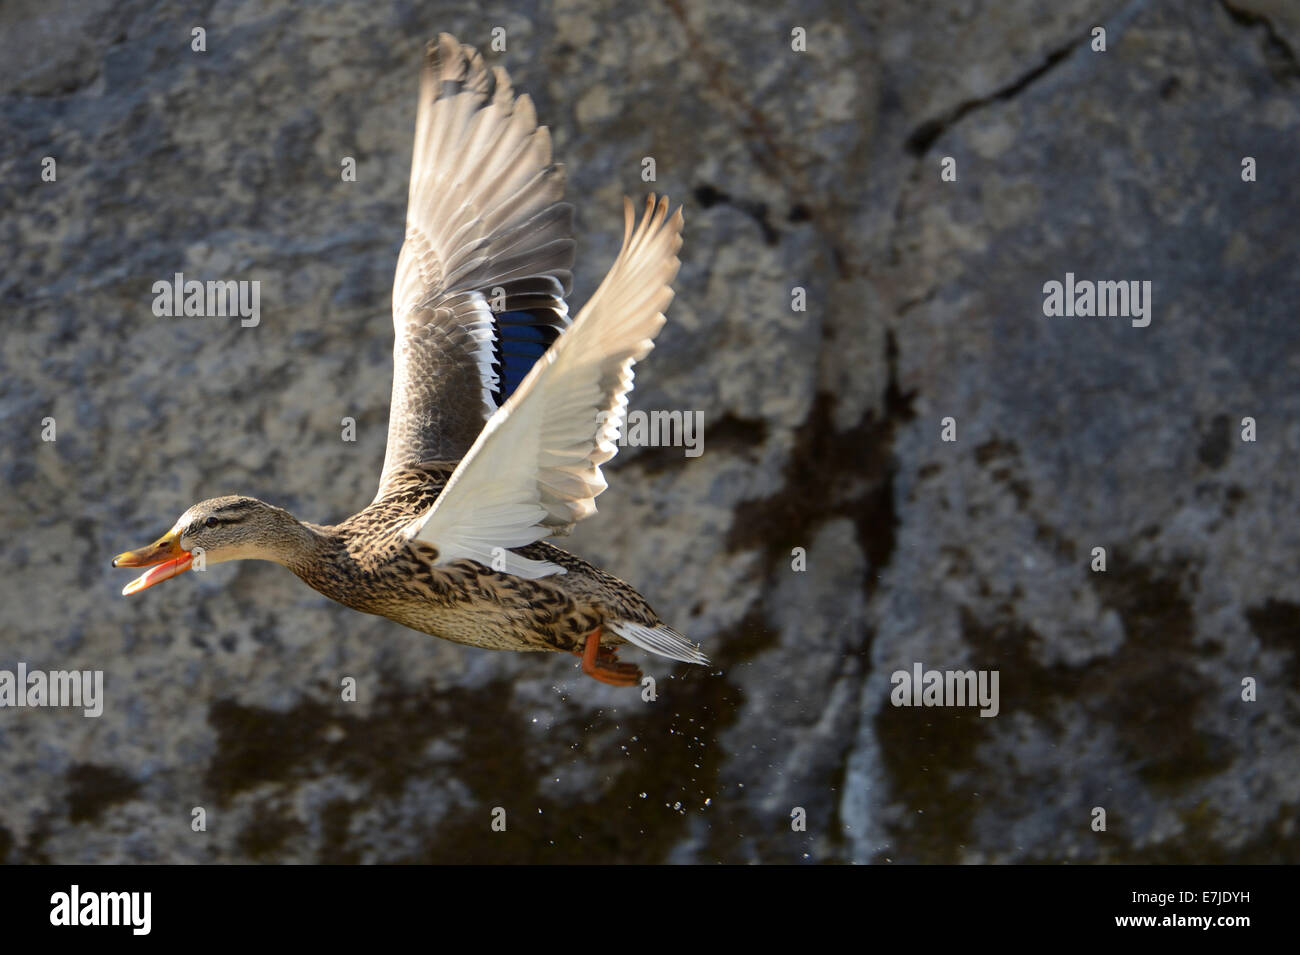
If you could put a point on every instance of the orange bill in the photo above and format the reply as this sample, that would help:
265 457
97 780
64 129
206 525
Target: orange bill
165 558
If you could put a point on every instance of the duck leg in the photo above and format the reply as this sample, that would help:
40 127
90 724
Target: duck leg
601 663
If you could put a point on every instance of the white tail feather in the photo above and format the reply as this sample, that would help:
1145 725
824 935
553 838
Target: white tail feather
662 640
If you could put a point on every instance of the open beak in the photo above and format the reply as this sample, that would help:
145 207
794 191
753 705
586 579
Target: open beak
165 558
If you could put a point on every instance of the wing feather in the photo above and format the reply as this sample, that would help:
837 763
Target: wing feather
534 470
486 232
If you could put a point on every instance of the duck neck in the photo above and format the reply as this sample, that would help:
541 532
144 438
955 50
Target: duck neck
317 554
301 547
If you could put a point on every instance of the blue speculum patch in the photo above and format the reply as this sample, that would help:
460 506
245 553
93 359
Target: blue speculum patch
522 338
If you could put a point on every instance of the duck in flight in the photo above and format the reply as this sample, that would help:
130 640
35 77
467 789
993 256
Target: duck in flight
503 407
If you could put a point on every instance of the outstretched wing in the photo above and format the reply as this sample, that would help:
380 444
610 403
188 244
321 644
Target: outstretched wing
535 468
482 275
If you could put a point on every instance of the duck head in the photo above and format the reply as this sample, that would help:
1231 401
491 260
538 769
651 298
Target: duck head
213 531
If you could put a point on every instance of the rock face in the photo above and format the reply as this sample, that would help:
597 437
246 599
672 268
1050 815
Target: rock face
821 169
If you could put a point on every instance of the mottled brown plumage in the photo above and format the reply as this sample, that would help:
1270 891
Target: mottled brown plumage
366 564
491 448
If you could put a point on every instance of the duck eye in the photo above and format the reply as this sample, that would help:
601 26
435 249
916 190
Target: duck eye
210 522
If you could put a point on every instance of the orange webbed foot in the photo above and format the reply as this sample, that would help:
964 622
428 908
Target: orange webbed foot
601 663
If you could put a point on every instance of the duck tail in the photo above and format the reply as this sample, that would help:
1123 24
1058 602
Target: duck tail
663 640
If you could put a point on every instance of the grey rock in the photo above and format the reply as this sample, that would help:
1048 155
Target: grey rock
817 169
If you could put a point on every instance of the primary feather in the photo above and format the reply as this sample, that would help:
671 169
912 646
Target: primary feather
488 251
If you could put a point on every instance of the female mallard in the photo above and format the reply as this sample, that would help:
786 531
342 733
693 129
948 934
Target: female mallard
503 408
